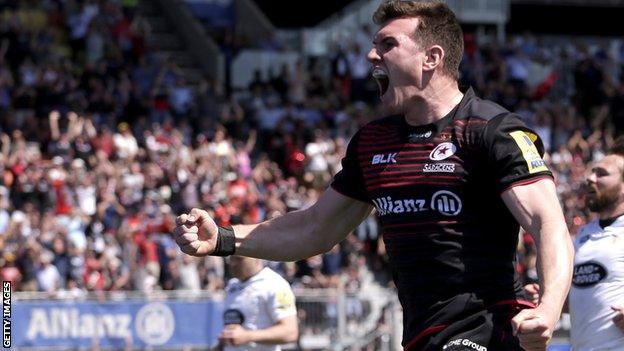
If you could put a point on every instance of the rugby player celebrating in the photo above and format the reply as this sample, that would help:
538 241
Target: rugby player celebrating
452 178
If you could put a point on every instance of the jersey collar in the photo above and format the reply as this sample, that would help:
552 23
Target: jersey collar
608 222
256 277
608 230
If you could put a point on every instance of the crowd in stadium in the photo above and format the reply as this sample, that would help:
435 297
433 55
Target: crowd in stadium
104 143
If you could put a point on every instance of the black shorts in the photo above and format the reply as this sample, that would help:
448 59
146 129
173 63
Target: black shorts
486 330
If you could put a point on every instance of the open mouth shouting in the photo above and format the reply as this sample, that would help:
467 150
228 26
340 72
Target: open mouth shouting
382 79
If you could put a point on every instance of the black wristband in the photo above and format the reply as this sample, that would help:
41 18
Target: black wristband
226 242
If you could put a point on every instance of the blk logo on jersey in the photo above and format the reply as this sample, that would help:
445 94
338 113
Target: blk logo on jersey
443 151
446 203
382 159
588 274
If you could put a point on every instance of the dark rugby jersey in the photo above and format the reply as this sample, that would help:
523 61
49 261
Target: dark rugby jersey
437 191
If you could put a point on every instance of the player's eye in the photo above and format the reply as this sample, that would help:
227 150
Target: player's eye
387 45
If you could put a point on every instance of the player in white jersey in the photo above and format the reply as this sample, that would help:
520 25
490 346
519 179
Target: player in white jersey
596 299
597 294
259 311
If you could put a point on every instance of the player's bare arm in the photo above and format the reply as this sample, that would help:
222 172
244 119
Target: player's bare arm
293 236
536 207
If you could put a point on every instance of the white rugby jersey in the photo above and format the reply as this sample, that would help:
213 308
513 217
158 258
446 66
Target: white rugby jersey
258 303
597 284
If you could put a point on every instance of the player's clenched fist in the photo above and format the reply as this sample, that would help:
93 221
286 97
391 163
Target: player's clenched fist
534 329
196 233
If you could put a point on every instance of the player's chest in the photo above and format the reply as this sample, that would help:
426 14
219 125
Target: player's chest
606 248
438 162
246 300
598 259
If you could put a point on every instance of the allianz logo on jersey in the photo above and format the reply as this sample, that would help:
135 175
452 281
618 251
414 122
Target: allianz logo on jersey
387 205
443 201
382 159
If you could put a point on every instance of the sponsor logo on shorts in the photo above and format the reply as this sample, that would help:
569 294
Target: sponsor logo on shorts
588 274
452 345
443 151
439 168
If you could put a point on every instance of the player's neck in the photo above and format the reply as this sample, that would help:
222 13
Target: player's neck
250 273
612 212
436 102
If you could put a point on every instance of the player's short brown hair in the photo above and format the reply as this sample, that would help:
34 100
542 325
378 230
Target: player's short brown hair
437 26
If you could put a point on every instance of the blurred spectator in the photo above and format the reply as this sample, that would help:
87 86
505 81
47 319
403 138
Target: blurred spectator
189 274
48 276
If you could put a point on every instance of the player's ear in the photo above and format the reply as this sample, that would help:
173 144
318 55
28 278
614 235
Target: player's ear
433 58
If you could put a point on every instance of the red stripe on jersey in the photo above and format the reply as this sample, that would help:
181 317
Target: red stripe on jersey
396 184
407 175
374 138
374 127
515 302
418 224
407 172
403 160
403 151
527 181
414 157
379 131
393 166
382 148
400 145
447 160
414 166
458 122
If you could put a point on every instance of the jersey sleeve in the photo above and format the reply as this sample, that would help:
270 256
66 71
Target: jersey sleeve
281 302
515 152
349 181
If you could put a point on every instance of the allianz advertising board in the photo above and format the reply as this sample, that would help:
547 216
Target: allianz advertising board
114 324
